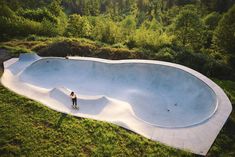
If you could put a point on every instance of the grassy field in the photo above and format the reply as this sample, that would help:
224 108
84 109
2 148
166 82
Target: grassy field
28 128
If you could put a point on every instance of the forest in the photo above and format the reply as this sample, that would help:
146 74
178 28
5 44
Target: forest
199 34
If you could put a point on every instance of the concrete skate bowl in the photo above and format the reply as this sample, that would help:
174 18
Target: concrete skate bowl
161 101
160 95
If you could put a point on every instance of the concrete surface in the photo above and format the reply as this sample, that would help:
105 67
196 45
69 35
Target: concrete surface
162 101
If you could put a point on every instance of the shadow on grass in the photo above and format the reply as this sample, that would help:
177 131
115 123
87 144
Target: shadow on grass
60 120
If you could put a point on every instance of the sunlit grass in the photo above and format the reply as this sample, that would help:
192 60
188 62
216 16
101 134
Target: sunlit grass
31 129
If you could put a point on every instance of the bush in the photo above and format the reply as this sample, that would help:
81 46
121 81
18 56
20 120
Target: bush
112 33
65 48
224 34
13 25
78 26
18 26
149 39
211 20
189 30
204 64
48 29
37 15
166 54
5 11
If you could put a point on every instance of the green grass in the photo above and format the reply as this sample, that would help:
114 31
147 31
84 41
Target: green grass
224 145
15 51
34 43
228 87
28 128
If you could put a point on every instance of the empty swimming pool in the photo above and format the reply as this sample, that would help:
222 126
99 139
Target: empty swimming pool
160 95
159 100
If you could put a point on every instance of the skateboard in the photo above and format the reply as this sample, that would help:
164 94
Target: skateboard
75 107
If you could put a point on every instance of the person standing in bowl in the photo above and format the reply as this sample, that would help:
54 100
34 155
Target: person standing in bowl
74 100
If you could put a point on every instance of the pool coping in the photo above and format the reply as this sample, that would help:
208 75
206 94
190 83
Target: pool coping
196 139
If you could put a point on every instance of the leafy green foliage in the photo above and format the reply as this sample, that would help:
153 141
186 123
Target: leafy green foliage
128 25
189 30
27 21
198 34
224 35
5 11
217 5
78 26
211 20
149 39
37 15
166 54
112 33
229 88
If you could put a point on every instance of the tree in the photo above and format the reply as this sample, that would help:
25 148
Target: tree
5 11
55 7
39 14
153 25
85 27
217 5
105 30
224 35
149 39
128 25
189 30
112 33
211 22
78 26
98 28
12 25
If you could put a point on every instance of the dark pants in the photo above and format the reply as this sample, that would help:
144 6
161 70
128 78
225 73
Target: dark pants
74 101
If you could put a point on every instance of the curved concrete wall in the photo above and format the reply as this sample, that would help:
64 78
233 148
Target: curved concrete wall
162 101
160 95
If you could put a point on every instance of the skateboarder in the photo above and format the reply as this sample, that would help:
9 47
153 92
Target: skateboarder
74 100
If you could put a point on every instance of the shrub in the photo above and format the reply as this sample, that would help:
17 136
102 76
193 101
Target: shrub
149 39
204 64
37 15
48 29
211 20
166 54
78 26
224 34
65 48
189 30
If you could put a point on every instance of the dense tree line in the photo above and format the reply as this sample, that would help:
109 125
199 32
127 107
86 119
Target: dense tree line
159 27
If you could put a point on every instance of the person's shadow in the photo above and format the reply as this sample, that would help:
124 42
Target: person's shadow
60 120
